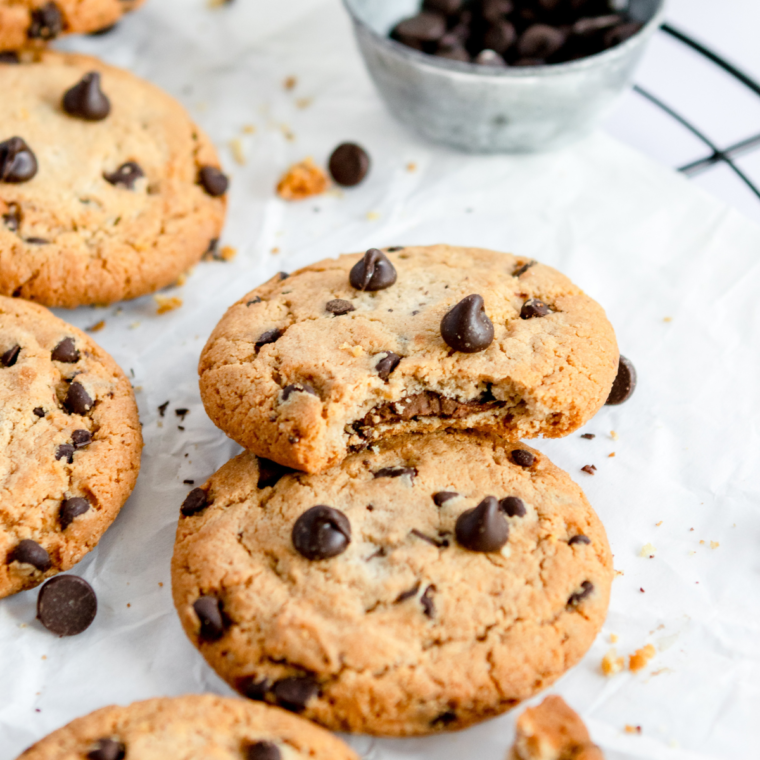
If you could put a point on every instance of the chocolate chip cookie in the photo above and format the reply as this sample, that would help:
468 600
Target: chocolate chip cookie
423 585
70 441
33 22
191 728
107 190
346 352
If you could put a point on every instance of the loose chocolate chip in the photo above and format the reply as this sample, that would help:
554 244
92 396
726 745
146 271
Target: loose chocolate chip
625 383
442 497
9 56
339 307
373 272
9 358
426 600
585 27
270 336
588 436
489 58
421 30
126 175
29 552
294 693
65 451
262 751
349 164
484 528
81 438
321 533
445 719
12 219
85 100
579 540
253 688
408 594
66 605
162 408
107 749
289 390
621 33
47 23
65 352
214 182
396 472
513 507
466 327
500 36
523 458
387 364
71 509
182 413
520 271
534 308
209 612
575 599
38 411
589 469
17 161
453 53
196 501
271 472
540 41
78 401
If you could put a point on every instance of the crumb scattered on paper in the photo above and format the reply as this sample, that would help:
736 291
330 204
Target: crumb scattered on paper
614 638
167 303
609 456
372 216
589 469
275 250
632 729
248 129
237 150
612 664
647 551
668 319
588 436
301 181
411 167
640 658
304 102
290 83
657 525
227 253
714 544
97 327
614 435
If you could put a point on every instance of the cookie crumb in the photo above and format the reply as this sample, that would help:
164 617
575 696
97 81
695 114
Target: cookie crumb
614 435
304 102
632 729
372 216
612 664
227 253
275 250
609 456
640 658
287 133
588 436
301 181
167 303
181 280
667 319
248 129
290 83
411 167
714 544
647 551
657 525
614 638
590 469
238 153
97 327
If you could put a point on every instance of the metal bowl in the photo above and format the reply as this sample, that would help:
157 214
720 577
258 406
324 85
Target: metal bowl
483 109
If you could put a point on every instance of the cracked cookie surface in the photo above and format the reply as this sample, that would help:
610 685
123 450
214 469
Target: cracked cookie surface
70 440
400 630
305 369
198 727
117 207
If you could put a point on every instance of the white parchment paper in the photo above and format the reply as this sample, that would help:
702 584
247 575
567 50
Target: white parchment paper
678 273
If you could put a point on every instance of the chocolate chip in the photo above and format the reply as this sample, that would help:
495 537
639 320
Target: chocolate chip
339 307
78 401
575 599
420 31
66 605
253 301
426 600
253 688
162 408
262 751
513 507
484 528
214 182
585 27
589 469
523 458
445 7
209 612
196 501
28 552
395 248
38 411
295 692
453 53
534 308
107 749
12 219
428 540
396 472
65 451
81 438
17 161
387 364
71 509
36 241
588 436
283 276
373 272
520 271
9 56
349 164
625 383
85 100
9 358
271 472
621 33
579 540
466 327
65 352
321 533
408 594
442 497
126 175
444 719
500 36
182 413
540 41
289 390
270 336
489 58
47 23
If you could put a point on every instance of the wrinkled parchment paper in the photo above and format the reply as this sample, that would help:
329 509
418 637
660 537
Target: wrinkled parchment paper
678 273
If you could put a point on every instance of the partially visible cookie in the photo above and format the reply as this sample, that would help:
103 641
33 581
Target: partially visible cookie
421 586
553 731
70 444
108 190
346 352
32 22
191 728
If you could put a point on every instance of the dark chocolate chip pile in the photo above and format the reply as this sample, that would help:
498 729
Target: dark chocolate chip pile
515 32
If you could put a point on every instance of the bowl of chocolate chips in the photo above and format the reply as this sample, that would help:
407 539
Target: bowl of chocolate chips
503 75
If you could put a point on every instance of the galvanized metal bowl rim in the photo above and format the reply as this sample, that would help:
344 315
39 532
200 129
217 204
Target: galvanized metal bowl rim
425 60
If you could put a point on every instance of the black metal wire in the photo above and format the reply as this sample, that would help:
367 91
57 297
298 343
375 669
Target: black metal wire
733 151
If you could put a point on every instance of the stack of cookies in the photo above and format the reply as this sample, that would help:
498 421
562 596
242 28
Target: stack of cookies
387 557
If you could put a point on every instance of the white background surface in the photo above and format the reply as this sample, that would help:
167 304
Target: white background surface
644 241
